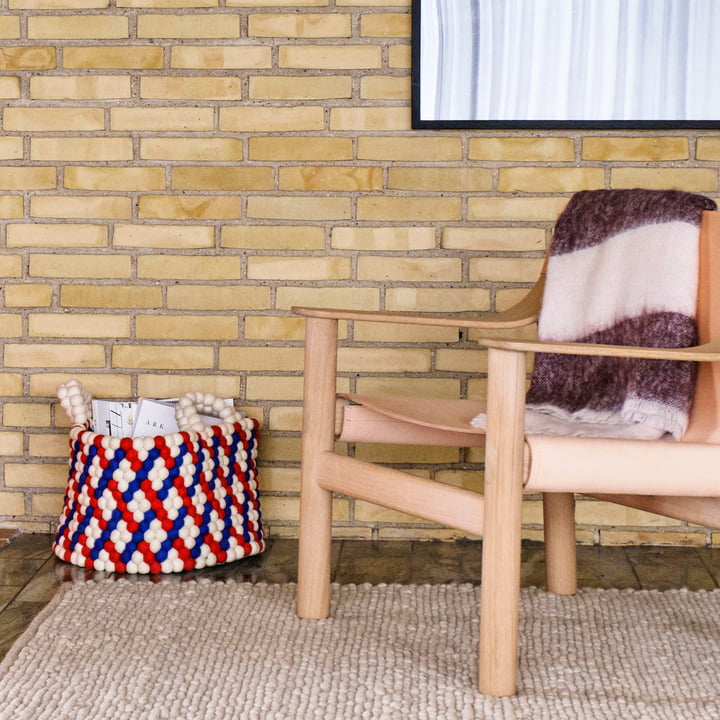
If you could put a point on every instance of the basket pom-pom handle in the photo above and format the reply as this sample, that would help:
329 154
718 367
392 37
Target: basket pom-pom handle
192 404
76 401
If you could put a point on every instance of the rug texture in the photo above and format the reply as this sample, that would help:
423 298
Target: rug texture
224 651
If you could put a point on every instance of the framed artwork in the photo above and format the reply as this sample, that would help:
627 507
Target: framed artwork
566 64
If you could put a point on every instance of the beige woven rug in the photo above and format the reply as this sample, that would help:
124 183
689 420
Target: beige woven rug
214 651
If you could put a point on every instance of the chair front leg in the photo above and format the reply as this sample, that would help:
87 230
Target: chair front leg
318 437
500 591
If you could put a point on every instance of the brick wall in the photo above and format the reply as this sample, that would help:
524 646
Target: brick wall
175 174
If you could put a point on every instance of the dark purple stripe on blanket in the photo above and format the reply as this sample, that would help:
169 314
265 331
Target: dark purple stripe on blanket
592 216
574 382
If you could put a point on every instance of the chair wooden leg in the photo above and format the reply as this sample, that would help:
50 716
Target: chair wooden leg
560 553
500 592
315 533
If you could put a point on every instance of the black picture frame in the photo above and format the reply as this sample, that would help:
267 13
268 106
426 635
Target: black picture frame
436 54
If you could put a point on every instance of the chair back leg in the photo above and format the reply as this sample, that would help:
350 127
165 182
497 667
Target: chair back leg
560 551
315 532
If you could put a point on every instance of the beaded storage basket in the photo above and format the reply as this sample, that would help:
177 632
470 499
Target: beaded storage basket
160 504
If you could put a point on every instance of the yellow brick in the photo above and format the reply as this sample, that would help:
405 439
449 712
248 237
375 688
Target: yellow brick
515 208
27 178
10 325
9 27
494 239
78 177
626 149
276 387
383 360
168 385
406 454
388 25
522 149
111 207
300 88
472 361
12 503
437 299
57 235
272 119
191 88
150 357
9 86
189 207
161 119
45 355
78 325
107 57
305 25
36 475
77 27
387 238
399 57
352 298
275 3
267 327
591 512
300 148
80 266
110 296
277 479
402 269
164 236
217 297
688 179
11 384
11 266
183 267
27 58
330 57
547 180
298 268
168 3
641 537
254 359
57 4
26 415
186 327
401 209
376 87
106 87
194 26
47 504
101 384
28 295
273 237
505 269
420 149
299 208
401 333
370 119
414 387
191 149
11 206
221 58
708 148
76 149
440 179
335 178
11 148
46 119
222 177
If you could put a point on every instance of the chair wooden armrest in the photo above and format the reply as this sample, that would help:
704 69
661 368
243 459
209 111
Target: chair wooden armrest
523 313
708 352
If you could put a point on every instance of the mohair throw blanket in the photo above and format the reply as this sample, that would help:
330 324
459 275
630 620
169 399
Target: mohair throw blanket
623 270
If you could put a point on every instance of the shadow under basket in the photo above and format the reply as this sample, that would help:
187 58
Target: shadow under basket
163 504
